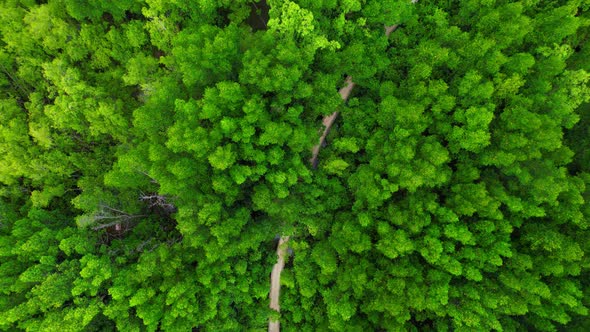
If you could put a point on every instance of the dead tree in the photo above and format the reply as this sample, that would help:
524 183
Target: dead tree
158 201
113 221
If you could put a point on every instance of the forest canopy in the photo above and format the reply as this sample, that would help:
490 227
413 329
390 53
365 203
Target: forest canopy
153 152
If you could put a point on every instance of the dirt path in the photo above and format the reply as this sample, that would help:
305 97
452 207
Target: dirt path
328 121
275 282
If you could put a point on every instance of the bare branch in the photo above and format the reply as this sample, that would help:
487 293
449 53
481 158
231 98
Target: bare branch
108 213
102 226
113 209
159 201
152 180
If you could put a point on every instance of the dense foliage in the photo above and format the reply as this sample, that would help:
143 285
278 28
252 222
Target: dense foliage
151 152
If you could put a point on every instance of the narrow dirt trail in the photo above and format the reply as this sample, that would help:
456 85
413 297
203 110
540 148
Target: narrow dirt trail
275 282
328 121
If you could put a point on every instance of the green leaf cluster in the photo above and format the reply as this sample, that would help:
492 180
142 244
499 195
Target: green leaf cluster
151 153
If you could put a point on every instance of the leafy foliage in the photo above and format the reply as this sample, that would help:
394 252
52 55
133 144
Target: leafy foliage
150 152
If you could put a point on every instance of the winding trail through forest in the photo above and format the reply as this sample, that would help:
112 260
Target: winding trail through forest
275 282
328 121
